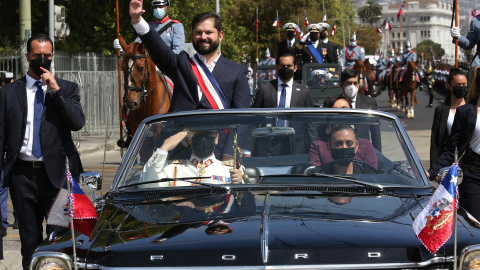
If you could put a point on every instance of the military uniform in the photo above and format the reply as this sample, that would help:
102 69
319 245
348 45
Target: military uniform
291 45
472 38
174 36
307 54
328 49
353 52
267 61
406 57
429 81
158 168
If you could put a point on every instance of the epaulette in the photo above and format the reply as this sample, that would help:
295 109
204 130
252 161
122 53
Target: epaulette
176 21
299 46
227 163
178 161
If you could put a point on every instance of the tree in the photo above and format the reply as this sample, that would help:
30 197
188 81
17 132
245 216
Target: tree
371 12
425 47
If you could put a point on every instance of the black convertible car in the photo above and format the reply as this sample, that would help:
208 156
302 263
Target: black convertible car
312 189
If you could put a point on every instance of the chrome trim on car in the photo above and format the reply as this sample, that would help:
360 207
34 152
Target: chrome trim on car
374 254
464 253
39 255
302 267
156 257
228 257
301 256
264 228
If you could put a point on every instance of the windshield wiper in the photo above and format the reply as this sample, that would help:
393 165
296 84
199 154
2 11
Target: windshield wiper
184 179
351 179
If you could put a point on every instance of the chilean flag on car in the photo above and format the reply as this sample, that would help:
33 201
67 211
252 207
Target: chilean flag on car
76 205
434 225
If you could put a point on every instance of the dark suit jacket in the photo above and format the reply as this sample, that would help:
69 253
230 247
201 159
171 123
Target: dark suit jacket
331 56
266 97
439 131
62 114
295 49
231 77
462 131
372 133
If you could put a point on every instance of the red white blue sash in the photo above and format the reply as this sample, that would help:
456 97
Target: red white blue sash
315 52
208 84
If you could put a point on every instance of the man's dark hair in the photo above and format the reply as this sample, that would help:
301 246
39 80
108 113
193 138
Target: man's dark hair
454 72
336 128
205 16
40 38
347 74
284 54
328 103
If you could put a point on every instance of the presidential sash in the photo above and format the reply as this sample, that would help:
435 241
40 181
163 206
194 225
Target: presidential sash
208 84
315 52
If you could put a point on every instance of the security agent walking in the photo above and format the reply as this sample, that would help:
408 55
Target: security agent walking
352 52
330 56
471 39
37 115
171 31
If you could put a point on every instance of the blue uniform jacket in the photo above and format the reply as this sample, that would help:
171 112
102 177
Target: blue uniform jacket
472 38
174 36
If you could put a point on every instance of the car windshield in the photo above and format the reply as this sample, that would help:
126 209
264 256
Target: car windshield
270 147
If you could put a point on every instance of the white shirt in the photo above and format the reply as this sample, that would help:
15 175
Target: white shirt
450 118
353 101
288 89
26 150
475 142
325 40
210 67
315 44
290 43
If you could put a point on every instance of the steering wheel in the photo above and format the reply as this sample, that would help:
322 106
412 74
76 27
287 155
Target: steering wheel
322 168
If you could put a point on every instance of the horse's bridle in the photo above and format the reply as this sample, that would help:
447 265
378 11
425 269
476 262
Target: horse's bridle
142 89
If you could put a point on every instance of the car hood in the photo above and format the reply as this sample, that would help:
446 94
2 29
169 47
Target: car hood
282 229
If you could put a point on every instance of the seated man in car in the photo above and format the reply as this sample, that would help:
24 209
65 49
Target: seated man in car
202 162
343 145
319 154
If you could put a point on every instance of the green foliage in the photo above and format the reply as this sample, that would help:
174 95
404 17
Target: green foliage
371 12
425 46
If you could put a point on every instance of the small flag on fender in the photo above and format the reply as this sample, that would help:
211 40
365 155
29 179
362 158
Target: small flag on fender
434 225
76 205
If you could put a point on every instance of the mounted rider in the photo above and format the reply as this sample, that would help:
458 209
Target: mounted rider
406 57
353 52
429 81
268 60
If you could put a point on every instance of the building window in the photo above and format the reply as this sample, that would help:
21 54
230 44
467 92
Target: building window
428 18
398 34
428 33
393 35
398 19
404 34
421 33
403 18
421 19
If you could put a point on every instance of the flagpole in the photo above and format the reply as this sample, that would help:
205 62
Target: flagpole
119 69
304 26
278 27
455 2
72 230
256 27
375 47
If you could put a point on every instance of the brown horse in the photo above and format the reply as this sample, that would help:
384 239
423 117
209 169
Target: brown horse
360 68
145 92
409 85
370 77
392 85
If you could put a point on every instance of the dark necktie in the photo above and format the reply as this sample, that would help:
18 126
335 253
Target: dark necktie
281 104
37 120
289 44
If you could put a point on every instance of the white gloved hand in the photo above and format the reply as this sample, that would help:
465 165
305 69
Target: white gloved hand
398 58
304 38
455 32
116 44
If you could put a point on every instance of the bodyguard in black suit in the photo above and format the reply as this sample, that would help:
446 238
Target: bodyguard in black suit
291 44
37 115
284 92
349 84
445 113
206 37
331 56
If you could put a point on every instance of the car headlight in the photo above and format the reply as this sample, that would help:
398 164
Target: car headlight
471 260
50 261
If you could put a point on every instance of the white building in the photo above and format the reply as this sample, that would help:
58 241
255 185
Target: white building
422 20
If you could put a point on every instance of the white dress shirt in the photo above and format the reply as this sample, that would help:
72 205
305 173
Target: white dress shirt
26 150
288 92
353 101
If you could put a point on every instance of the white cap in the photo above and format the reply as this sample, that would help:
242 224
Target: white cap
353 37
325 26
319 72
314 28
290 27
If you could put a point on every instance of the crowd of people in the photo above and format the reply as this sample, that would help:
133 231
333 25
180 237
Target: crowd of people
39 111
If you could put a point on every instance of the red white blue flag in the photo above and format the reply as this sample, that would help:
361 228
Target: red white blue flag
400 12
325 17
434 225
76 205
276 22
306 22
334 29
378 30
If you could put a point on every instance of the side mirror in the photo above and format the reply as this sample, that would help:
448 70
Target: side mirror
443 171
92 180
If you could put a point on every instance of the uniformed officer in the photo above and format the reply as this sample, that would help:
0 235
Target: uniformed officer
352 52
268 60
311 52
379 66
430 81
406 57
292 44
328 49
472 38
171 31
202 163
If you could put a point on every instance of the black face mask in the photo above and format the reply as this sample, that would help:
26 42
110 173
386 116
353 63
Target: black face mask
290 34
38 62
343 153
285 73
460 91
323 35
313 37
203 145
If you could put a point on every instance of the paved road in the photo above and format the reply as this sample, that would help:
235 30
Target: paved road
418 130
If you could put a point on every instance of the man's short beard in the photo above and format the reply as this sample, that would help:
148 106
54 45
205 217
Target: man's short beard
213 47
